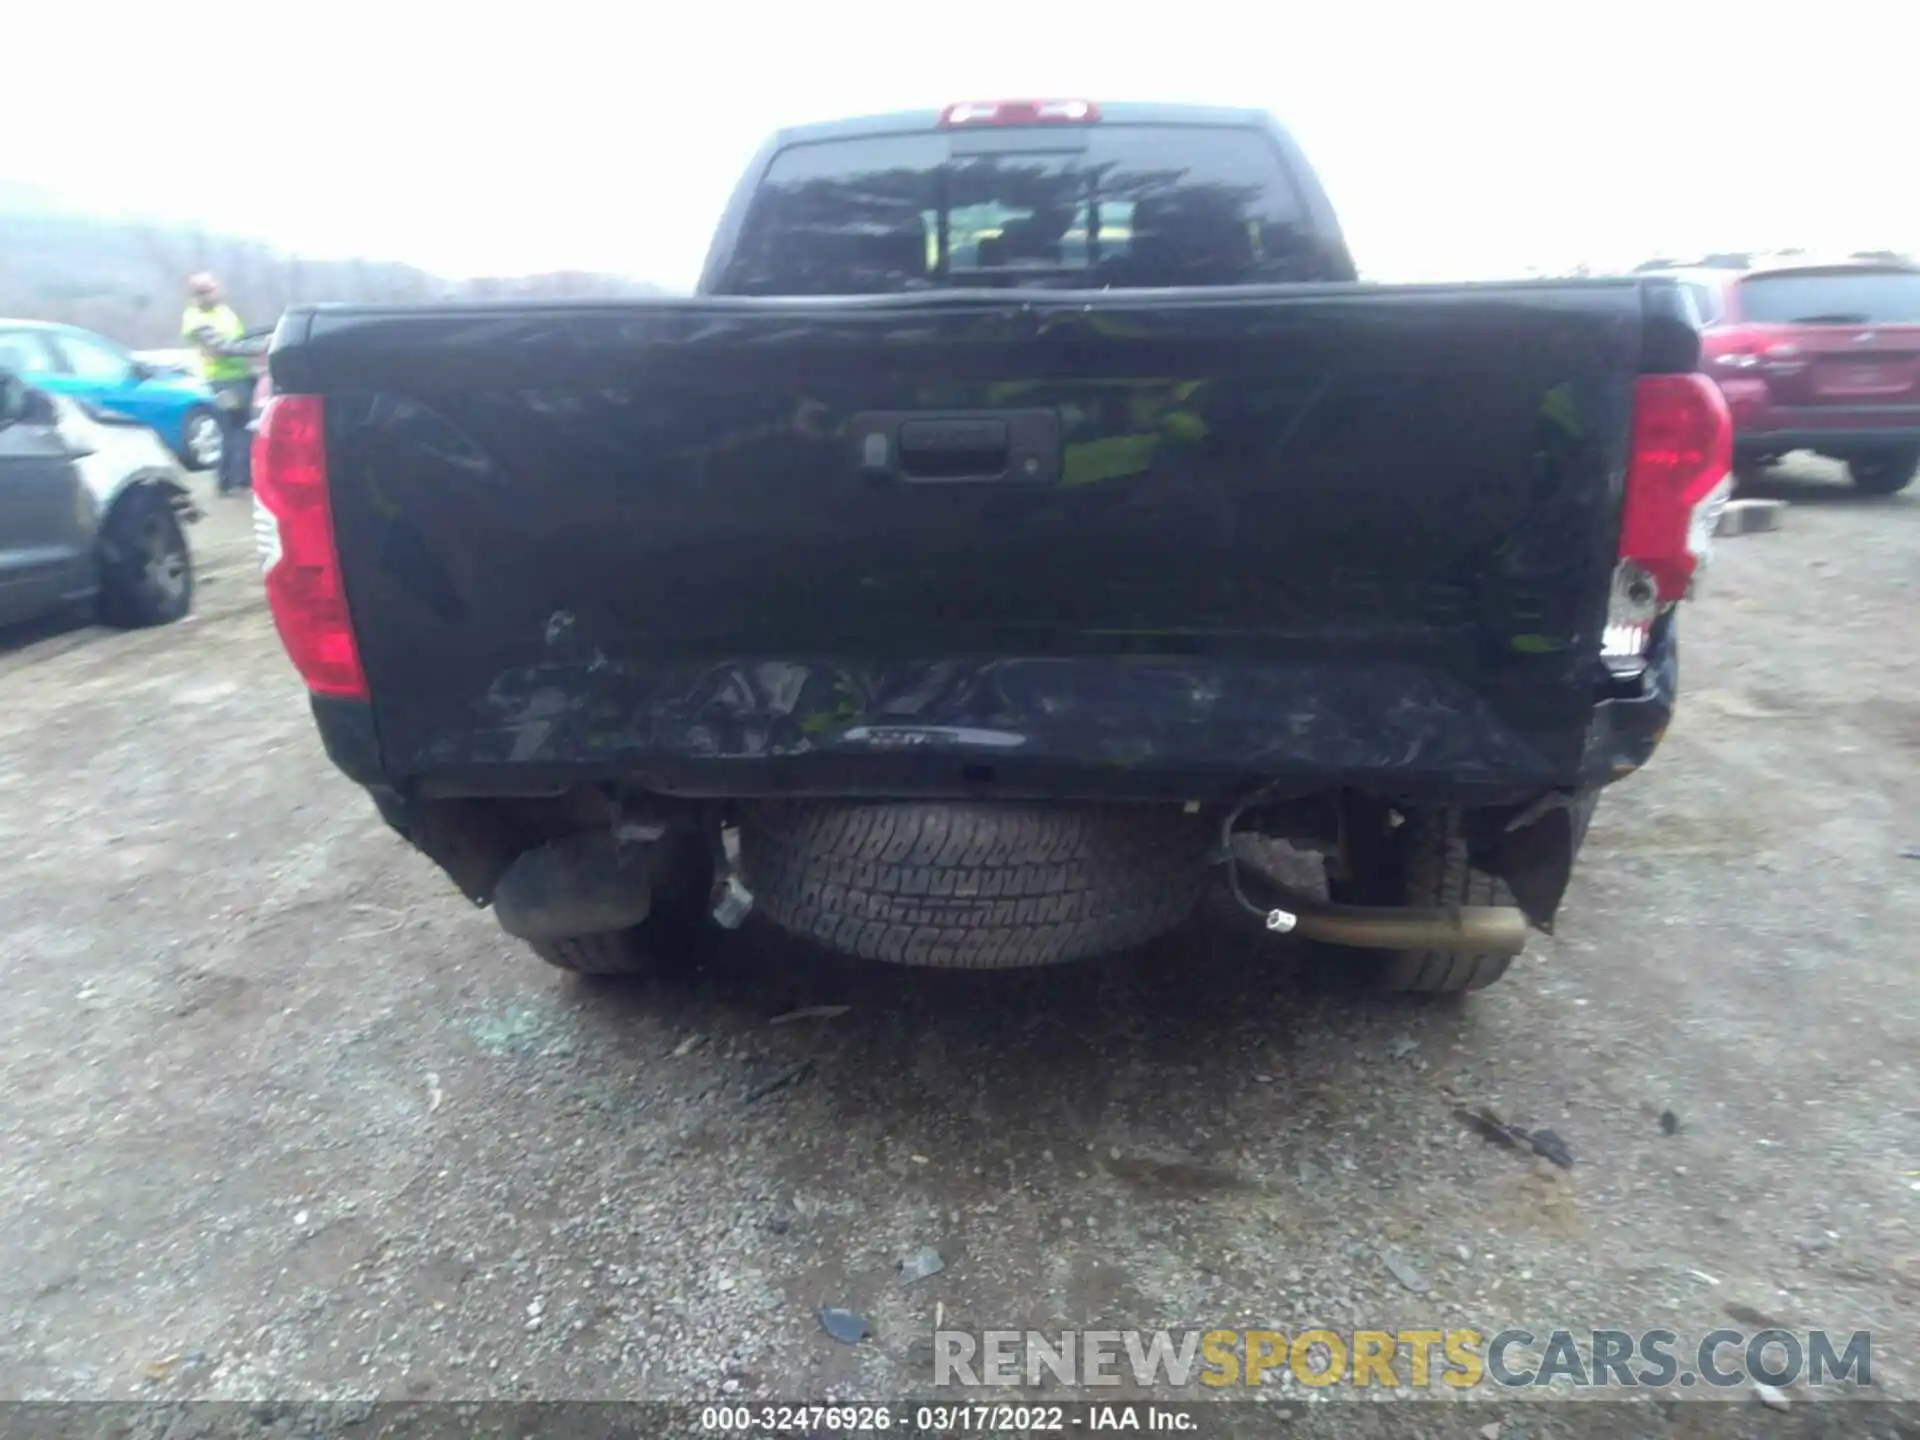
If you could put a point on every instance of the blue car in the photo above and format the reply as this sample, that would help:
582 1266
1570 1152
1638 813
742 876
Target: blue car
177 406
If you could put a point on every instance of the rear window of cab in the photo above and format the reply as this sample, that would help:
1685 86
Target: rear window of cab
1108 205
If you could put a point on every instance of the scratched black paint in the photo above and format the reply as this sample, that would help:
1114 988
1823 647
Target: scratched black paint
1314 533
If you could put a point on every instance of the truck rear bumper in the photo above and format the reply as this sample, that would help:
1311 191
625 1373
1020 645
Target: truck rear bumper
1055 729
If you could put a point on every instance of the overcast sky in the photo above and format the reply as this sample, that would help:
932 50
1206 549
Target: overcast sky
1475 139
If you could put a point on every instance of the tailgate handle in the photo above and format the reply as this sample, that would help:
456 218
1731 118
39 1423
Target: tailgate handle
1004 445
956 449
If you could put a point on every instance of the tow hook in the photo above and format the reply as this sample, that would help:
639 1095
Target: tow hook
732 901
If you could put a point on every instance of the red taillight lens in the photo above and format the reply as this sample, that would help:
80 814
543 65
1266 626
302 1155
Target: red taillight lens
1679 474
1021 112
293 523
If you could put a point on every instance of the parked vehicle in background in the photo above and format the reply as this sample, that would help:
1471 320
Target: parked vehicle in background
178 362
1027 506
176 405
92 514
1820 357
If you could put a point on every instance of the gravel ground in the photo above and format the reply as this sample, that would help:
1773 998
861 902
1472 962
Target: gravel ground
281 1116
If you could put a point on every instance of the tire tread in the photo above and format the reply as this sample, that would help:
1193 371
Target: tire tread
1438 874
974 886
607 952
126 601
1884 474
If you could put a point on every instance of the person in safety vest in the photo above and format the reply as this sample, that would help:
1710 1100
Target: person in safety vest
211 327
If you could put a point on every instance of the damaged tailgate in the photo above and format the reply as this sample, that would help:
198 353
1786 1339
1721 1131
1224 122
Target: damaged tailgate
1124 544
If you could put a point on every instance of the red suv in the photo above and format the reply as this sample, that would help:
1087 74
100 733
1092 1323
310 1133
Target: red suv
1817 357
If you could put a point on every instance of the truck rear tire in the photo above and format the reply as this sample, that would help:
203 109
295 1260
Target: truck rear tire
608 953
676 930
970 886
1422 861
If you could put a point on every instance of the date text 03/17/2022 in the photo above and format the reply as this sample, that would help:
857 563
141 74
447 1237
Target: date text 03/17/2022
948 1419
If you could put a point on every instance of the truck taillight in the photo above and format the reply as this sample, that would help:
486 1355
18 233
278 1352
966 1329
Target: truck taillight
1679 475
293 524
1020 112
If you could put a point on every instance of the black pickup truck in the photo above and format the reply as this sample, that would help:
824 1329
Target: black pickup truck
1029 504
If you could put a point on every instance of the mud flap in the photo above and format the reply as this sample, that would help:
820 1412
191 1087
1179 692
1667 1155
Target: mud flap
1532 848
467 839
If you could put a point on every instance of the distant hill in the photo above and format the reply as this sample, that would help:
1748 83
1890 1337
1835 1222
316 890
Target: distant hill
126 280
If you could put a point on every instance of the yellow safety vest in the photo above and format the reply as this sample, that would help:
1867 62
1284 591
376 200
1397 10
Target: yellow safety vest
226 325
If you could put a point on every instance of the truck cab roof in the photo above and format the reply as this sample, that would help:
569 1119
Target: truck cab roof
1126 113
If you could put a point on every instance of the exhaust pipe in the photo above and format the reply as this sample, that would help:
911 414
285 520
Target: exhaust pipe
1451 930
580 885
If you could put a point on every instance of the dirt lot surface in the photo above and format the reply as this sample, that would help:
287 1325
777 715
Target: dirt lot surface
281 1115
